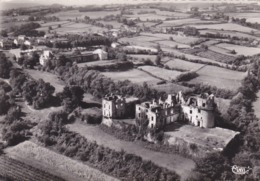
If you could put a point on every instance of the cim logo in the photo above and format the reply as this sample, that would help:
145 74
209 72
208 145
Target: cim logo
240 170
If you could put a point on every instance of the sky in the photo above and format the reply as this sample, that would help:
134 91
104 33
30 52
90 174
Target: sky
100 2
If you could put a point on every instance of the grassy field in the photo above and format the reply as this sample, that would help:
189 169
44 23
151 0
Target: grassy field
172 44
164 13
174 162
250 17
229 33
225 26
73 14
160 72
29 152
170 88
184 65
144 38
219 77
47 77
177 38
145 17
188 21
241 50
115 24
134 75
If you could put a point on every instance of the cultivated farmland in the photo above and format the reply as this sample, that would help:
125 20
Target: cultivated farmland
16 170
29 152
241 50
134 75
160 72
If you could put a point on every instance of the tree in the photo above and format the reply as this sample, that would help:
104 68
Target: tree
23 47
4 102
4 33
50 28
158 60
5 66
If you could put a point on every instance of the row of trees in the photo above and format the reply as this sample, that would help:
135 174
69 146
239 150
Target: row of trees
28 29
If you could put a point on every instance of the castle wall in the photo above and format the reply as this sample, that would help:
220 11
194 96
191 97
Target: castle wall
199 117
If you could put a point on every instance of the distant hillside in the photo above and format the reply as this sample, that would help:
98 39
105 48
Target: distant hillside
4 6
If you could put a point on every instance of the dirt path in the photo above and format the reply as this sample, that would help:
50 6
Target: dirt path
256 105
174 162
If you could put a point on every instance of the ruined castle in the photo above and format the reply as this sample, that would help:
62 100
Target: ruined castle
197 110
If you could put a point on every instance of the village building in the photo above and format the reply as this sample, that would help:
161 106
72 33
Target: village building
21 37
80 58
45 56
158 113
6 44
102 55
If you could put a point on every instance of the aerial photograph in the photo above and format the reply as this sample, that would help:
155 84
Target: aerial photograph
130 90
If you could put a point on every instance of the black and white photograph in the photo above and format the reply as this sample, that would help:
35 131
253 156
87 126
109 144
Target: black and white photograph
130 90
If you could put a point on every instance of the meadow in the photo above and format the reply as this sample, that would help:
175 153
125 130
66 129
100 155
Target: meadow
160 72
172 44
250 17
229 33
188 21
170 88
183 65
224 26
134 75
241 50
145 17
73 14
219 77
47 77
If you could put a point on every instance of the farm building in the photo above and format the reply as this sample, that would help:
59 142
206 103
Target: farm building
101 54
80 58
158 113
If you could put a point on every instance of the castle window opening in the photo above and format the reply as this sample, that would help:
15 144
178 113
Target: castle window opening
198 110
190 111
203 105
